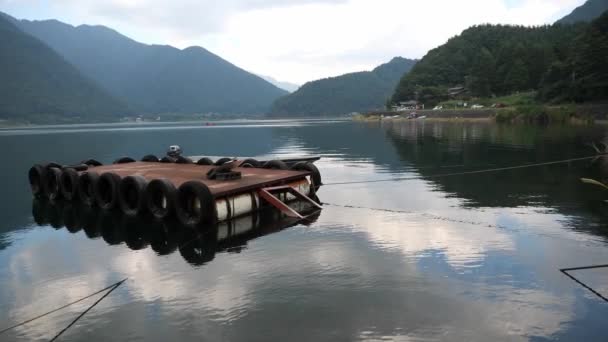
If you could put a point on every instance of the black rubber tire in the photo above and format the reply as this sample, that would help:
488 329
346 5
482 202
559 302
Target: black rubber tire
135 230
106 191
40 211
160 198
222 161
50 183
315 173
132 195
51 165
195 204
168 160
251 163
198 251
204 161
276 165
108 225
71 218
91 162
162 240
56 215
86 187
124 160
68 184
150 158
36 176
183 160
88 218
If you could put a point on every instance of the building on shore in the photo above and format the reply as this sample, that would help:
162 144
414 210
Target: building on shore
407 105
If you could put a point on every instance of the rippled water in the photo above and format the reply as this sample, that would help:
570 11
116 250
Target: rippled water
457 258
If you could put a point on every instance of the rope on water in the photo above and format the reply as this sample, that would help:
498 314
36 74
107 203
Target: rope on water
111 288
506 168
423 214
88 309
566 270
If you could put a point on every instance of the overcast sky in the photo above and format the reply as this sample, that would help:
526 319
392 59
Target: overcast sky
296 40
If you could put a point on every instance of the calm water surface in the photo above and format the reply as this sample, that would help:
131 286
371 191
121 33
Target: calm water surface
459 258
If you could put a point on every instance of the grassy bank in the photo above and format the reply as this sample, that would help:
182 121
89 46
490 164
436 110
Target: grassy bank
519 114
540 114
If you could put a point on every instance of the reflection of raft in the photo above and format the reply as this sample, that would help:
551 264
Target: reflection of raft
197 193
164 237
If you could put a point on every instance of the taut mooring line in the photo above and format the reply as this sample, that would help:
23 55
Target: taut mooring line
506 168
112 287
88 309
566 270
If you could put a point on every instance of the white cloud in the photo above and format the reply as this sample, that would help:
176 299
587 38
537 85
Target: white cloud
302 40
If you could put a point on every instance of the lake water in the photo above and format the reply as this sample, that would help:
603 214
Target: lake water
457 258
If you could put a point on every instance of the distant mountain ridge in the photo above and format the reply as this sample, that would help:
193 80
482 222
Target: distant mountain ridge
38 85
590 10
288 86
156 78
354 92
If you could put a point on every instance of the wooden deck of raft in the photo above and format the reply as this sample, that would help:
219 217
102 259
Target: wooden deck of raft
252 178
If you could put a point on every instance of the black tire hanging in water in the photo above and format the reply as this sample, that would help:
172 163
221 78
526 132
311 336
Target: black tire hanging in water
106 191
183 160
68 183
195 204
86 187
36 176
250 163
124 160
51 181
132 195
276 165
204 161
150 158
222 161
315 173
160 198
91 162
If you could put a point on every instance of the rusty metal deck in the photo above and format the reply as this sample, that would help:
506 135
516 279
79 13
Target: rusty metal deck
252 178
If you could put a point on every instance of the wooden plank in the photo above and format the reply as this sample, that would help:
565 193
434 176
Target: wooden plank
252 178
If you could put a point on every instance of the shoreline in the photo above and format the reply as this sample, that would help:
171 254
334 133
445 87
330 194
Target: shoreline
587 113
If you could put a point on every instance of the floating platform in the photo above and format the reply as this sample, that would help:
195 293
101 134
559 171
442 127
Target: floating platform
204 192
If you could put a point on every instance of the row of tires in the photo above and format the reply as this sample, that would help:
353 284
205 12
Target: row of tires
247 163
272 164
192 202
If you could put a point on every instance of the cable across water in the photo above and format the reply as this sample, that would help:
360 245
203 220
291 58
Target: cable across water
498 169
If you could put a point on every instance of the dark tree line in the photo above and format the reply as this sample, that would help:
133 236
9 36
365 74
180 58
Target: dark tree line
562 62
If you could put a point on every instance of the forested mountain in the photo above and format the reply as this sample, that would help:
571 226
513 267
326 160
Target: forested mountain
156 78
353 92
587 12
499 60
38 85
583 74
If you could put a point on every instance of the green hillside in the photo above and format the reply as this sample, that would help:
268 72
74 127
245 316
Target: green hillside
39 86
583 75
489 60
156 78
585 13
353 92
